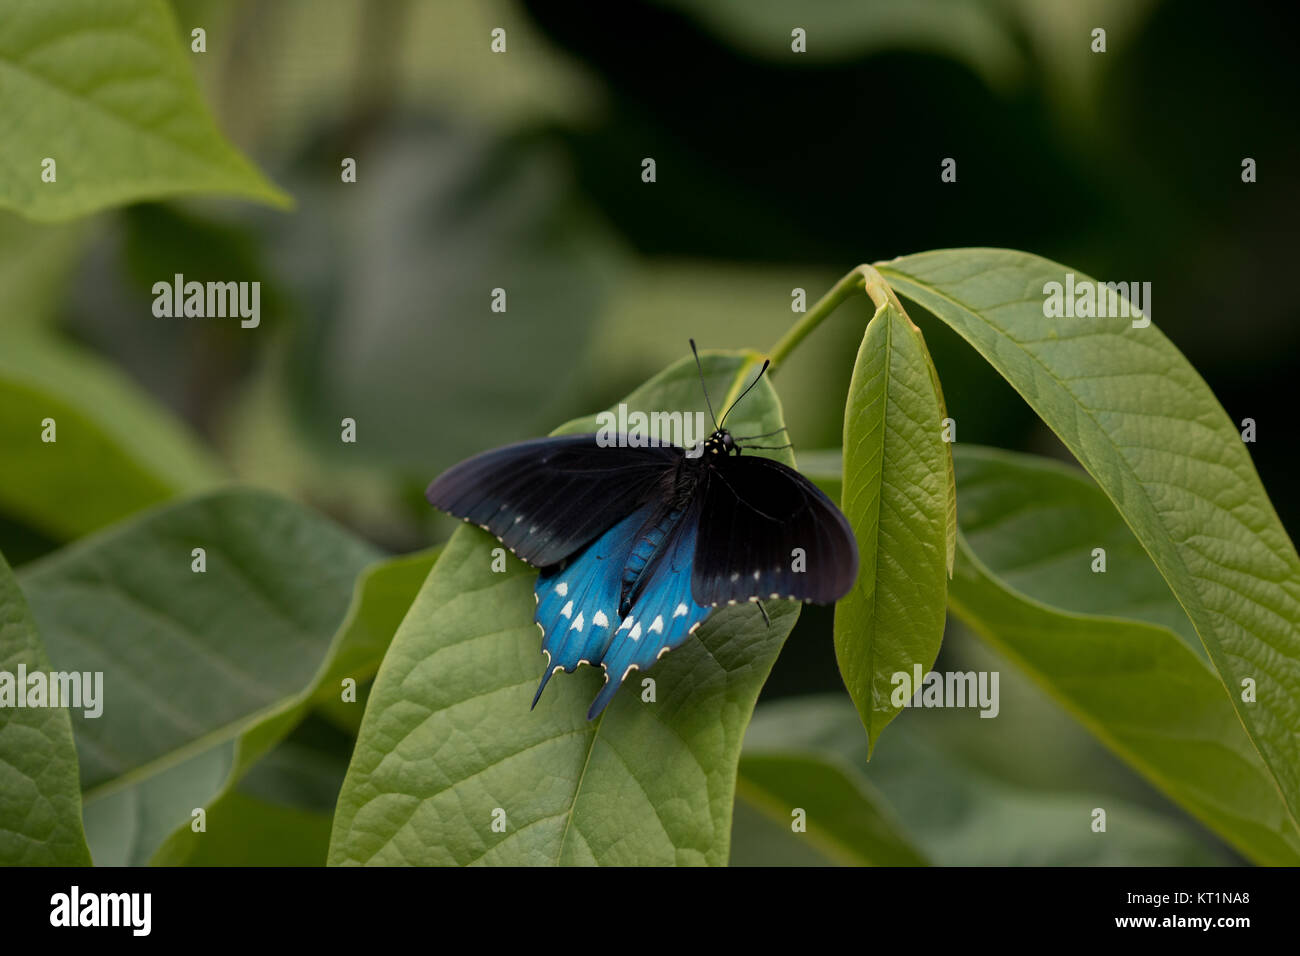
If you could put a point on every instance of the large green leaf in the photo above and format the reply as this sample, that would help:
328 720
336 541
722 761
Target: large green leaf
40 801
1023 583
1145 425
105 90
202 671
897 494
381 598
114 452
448 743
957 809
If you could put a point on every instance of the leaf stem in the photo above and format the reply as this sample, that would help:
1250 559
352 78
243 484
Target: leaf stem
863 278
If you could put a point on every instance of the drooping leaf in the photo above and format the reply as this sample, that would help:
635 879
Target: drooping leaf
448 746
897 496
106 92
1104 644
114 451
202 670
1145 425
40 800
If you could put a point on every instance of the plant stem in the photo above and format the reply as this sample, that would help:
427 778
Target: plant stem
863 278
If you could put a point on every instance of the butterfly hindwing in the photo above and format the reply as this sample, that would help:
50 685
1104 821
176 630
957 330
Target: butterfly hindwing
662 616
546 498
577 602
768 532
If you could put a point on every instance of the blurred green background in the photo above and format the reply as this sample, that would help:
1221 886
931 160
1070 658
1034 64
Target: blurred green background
775 171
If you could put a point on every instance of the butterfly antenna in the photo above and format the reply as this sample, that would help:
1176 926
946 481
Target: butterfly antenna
766 620
766 363
703 387
770 447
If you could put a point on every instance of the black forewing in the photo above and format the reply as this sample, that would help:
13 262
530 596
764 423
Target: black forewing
548 497
756 513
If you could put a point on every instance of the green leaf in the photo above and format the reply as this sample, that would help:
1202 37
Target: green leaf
1145 425
40 800
115 452
202 671
898 497
957 810
847 820
448 739
382 595
1024 583
105 90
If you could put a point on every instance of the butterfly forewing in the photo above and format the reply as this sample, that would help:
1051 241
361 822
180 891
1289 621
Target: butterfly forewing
549 497
769 532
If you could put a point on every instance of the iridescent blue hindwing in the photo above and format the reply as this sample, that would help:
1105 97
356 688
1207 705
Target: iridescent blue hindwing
577 602
577 606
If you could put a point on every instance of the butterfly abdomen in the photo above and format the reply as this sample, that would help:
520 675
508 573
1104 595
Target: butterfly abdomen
649 541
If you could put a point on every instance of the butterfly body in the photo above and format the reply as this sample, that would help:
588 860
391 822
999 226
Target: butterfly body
637 545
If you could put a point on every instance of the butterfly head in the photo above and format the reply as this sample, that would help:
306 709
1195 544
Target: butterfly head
720 443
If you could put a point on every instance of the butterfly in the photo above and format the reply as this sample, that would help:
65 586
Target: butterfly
636 546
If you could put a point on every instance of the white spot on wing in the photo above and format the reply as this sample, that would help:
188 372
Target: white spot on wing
562 589
658 626
636 633
681 610
599 619
567 610
577 623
